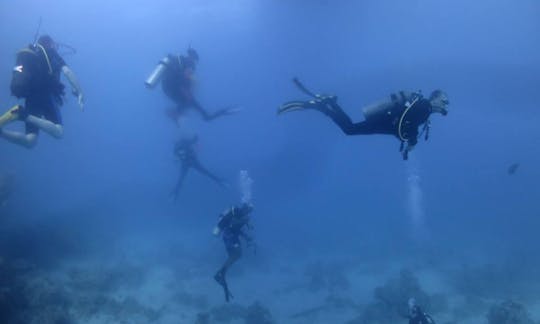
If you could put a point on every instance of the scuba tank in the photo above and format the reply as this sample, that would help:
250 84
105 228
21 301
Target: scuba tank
157 73
377 109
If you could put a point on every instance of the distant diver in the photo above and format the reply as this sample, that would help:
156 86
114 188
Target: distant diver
36 78
401 115
513 168
417 315
177 76
231 226
184 150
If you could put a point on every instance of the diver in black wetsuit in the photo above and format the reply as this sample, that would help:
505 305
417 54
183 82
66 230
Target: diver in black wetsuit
36 78
185 151
231 226
400 116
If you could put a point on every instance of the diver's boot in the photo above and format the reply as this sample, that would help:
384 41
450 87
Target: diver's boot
16 112
11 115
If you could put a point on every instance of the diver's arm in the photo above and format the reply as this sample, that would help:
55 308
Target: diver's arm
75 85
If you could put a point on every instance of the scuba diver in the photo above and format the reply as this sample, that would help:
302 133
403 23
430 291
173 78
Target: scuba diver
184 150
231 226
36 78
400 116
6 187
417 315
176 73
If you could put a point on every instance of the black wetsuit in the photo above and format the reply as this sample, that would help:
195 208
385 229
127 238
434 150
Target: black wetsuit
45 101
231 225
185 152
384 122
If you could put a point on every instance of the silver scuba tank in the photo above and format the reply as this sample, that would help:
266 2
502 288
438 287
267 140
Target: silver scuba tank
156 75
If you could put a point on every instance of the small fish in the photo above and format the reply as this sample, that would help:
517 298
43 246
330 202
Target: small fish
513 168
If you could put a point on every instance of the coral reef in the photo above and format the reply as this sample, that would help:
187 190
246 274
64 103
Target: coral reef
508 312
390 305
326 277
253 314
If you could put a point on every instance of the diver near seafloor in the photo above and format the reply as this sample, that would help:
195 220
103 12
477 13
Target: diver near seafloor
36 78
402 115
184 150
232 226
417 315
177 76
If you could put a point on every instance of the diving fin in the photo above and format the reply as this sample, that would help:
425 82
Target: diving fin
220 278
11 115
297 105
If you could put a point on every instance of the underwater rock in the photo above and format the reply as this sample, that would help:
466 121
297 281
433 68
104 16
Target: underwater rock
326 277
258 314
228 312
203 318
390 305
106 279
332 303
514 277
191 300
253 314
508 312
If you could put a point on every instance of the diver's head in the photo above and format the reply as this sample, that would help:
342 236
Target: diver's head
192 54
439 102
47 42
246 208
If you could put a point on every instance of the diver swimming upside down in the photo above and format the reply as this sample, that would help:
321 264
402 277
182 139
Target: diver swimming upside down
184 150
177 76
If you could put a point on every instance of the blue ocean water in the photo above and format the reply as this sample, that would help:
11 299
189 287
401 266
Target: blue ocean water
91 213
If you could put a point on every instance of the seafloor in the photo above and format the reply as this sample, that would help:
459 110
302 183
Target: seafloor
48 277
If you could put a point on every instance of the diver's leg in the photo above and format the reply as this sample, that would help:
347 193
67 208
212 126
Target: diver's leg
198 166
26 140
55 130
42 113
344 122
211 116
234 252
205 115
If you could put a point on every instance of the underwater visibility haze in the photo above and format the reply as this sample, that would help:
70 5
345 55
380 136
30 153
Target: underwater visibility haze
343 229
